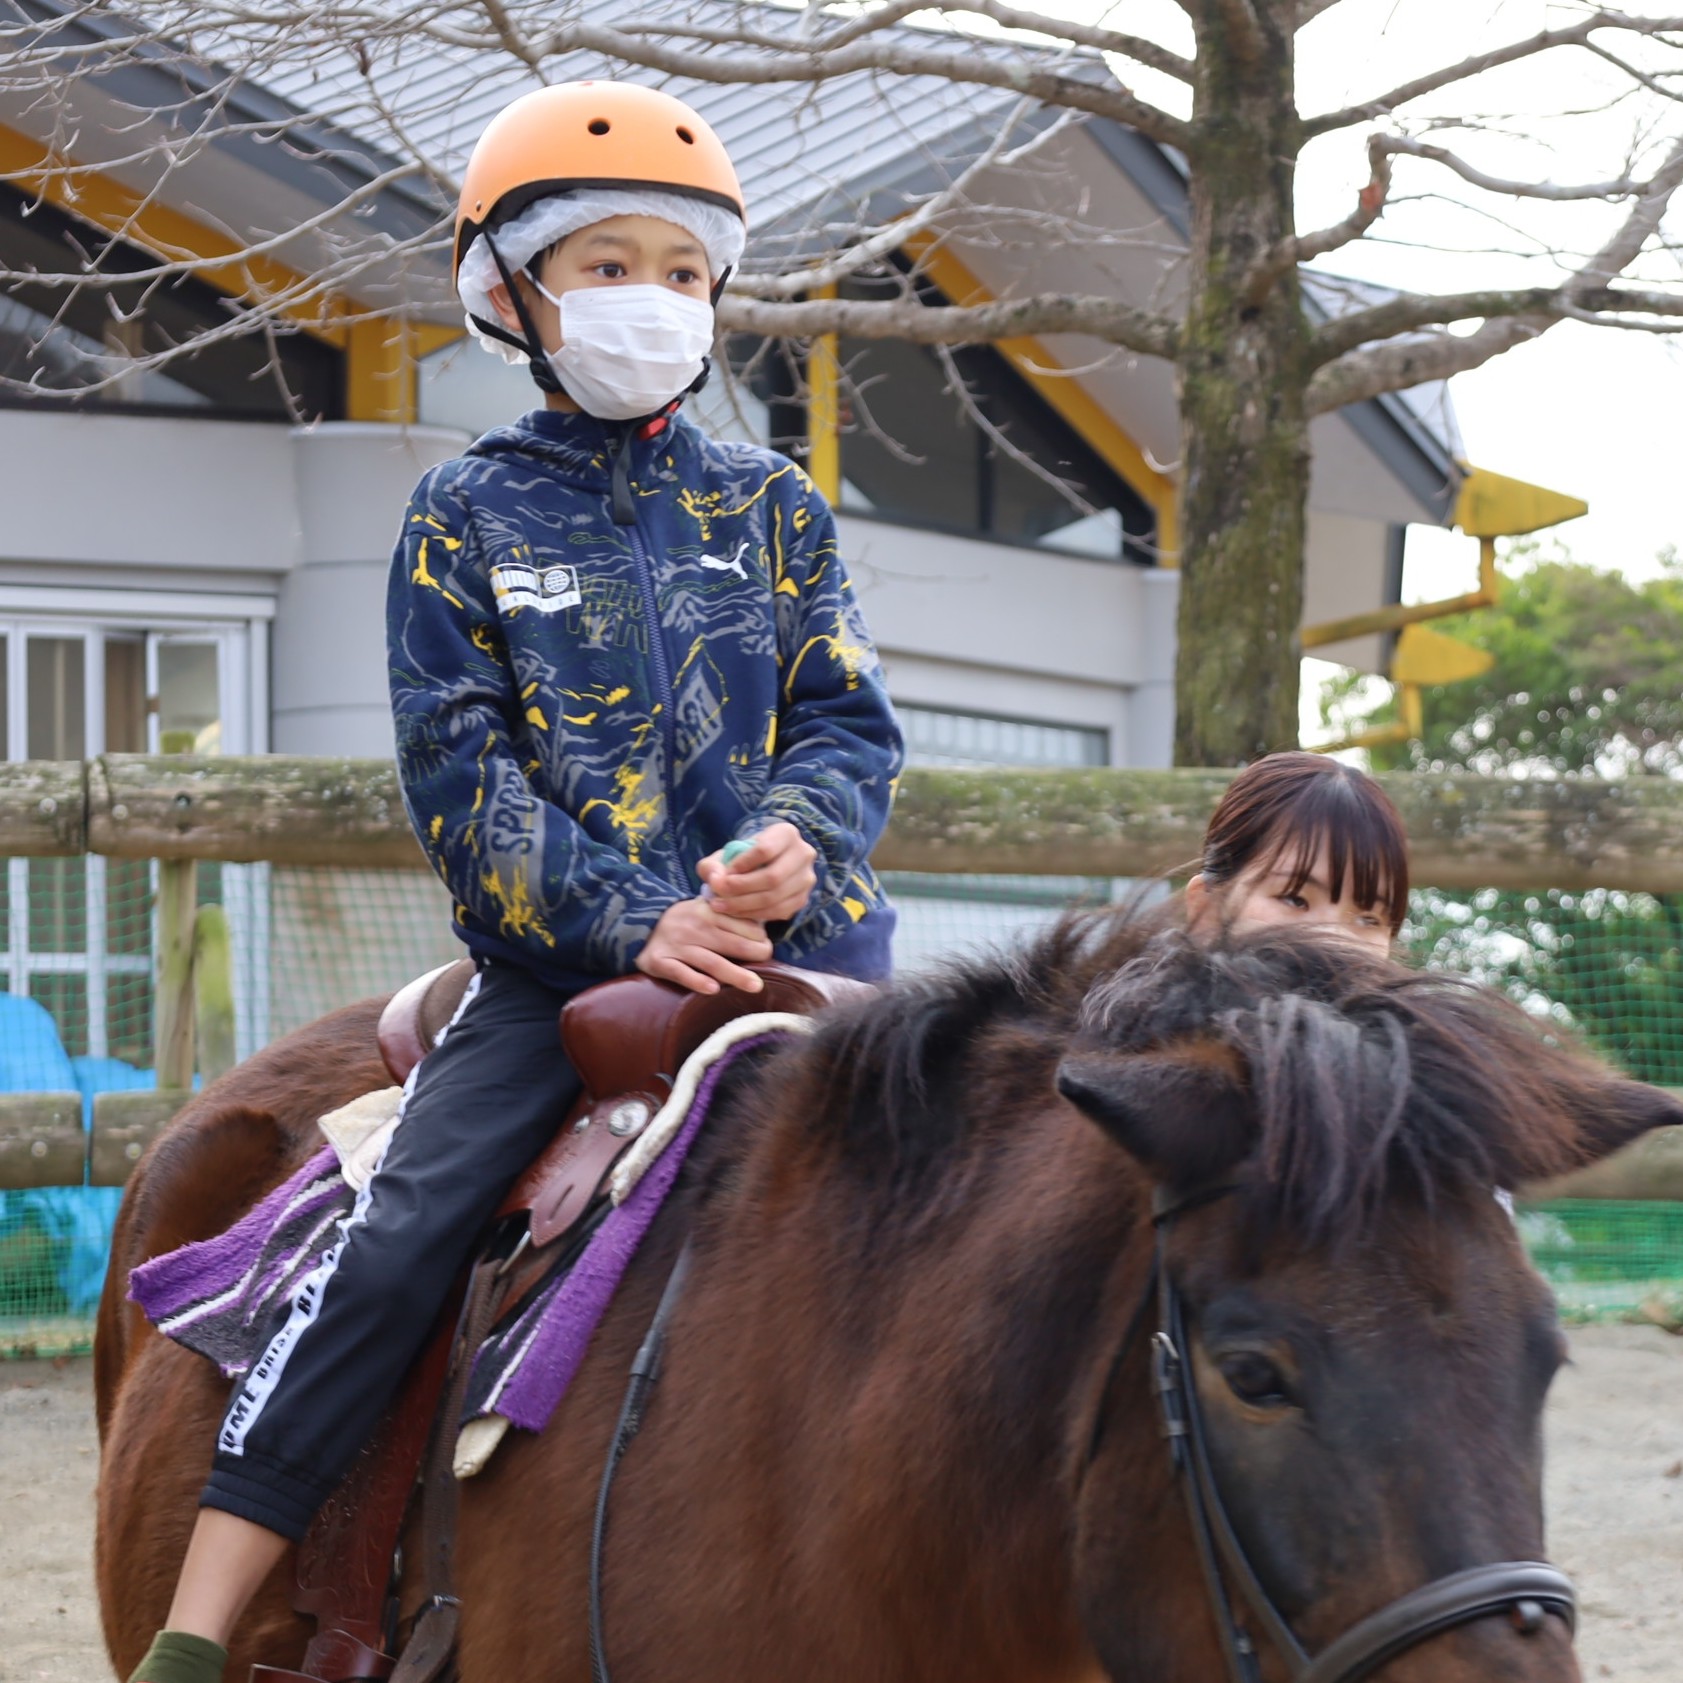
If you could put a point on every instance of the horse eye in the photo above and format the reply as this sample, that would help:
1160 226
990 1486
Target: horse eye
1255 1380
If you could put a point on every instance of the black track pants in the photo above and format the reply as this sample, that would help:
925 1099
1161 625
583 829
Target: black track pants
484 1103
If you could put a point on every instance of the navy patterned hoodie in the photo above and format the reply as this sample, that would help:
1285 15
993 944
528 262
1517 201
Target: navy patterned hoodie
587 706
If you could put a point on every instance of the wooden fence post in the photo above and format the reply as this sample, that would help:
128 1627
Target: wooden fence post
178 897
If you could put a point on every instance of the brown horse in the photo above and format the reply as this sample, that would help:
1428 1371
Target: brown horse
904 1433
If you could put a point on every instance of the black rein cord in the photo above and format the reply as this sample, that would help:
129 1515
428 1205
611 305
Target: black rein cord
645 1375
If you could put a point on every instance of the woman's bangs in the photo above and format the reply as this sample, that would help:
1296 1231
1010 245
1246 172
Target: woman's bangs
1362 843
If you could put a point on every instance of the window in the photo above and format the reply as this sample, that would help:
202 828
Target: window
76 934
936 736
961 443
941 914
55 343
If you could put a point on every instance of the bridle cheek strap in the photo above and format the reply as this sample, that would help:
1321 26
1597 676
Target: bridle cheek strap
1527 1590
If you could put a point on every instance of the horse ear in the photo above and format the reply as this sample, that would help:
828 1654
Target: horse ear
1616 1113
1183 1114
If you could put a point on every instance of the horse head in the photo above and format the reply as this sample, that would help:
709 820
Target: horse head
1366 1345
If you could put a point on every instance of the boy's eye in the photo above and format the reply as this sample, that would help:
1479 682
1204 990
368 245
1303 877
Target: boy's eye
610 271
684 277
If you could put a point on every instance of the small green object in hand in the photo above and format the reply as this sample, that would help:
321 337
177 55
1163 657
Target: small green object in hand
734 851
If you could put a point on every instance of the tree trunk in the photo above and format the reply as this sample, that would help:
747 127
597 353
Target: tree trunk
1242 375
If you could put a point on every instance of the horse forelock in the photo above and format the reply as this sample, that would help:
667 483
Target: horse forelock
1367 1082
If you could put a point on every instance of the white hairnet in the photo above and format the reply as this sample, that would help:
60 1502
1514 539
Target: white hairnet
541 225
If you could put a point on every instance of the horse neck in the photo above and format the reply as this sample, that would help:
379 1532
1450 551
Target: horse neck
951 1344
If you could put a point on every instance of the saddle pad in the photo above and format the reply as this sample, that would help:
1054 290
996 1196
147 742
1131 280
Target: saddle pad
524 1368
225 1298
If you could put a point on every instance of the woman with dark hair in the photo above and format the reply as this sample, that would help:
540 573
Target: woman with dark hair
1301 840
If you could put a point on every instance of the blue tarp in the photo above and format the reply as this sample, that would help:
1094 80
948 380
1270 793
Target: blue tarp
76 1221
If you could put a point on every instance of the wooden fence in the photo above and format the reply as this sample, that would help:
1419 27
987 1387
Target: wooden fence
1465 832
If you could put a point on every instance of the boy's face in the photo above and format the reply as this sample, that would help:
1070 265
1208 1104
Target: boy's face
621 251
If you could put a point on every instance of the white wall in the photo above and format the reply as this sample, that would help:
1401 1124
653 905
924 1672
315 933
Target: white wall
989 628
352 480
147 491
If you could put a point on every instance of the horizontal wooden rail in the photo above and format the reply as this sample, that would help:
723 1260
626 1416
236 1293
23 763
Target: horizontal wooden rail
1465 832
43 1142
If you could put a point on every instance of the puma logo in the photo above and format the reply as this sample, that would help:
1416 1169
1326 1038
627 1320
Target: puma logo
734 565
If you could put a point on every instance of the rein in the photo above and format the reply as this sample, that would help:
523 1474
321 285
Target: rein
1526 1590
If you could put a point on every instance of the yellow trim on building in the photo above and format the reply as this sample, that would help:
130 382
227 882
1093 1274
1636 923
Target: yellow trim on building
382 364
169 234
1066 394
380 352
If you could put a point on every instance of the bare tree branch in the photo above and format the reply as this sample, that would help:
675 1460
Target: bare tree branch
1309 10
1412 362
1370 206
796 62
944 324
1573 35
1409 312
1622 187
894 235
1589 289
1136 47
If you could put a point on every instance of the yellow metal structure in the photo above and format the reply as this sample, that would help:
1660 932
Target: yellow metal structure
1426 657
1489 506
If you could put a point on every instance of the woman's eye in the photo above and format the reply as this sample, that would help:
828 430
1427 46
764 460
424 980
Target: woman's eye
1255 1380
1295 901
684 277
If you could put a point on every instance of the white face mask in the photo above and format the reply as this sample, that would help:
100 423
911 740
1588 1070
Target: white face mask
627 351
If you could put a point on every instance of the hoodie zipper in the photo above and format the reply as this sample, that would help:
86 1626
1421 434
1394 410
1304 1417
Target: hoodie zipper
625 514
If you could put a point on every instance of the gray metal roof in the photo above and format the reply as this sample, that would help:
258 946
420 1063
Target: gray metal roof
816 161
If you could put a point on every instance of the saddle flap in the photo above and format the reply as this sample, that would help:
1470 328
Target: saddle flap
564 1181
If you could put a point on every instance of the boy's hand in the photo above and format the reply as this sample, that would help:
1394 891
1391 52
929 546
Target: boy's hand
770 880
694 945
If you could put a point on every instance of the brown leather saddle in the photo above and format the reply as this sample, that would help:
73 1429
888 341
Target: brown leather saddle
627 1039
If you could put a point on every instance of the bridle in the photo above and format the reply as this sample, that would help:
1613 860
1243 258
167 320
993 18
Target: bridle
1528 1591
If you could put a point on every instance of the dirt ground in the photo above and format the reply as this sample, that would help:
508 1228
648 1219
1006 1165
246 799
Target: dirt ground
1615 1503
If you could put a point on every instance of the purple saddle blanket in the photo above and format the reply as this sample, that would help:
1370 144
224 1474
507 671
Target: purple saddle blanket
226 1298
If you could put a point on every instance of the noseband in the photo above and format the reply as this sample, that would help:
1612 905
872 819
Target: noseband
1526 1590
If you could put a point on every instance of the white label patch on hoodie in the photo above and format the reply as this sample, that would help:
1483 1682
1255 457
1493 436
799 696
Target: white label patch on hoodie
517 585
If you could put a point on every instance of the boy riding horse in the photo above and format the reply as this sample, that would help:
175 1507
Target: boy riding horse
621 655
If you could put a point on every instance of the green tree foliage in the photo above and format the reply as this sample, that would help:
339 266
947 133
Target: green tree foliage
1588 681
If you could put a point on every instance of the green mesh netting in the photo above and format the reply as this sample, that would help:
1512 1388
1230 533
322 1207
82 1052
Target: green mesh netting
76 1017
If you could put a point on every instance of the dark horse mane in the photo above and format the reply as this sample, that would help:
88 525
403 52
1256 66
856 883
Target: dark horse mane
1362 1080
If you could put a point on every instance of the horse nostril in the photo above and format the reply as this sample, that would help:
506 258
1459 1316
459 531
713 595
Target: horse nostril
1528 1617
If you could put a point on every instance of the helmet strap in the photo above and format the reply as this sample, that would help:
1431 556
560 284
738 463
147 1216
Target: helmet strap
537 358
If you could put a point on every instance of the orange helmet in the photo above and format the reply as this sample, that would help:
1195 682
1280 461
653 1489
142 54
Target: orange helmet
590 134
